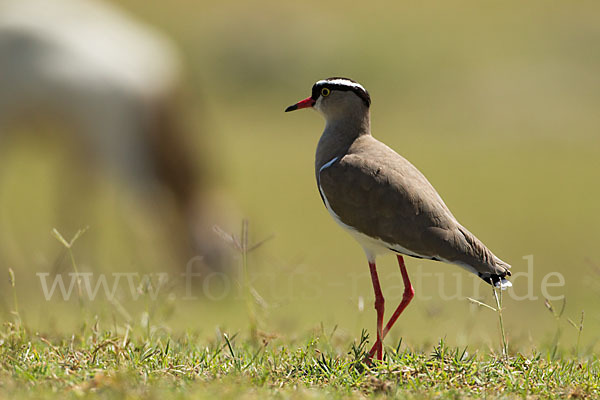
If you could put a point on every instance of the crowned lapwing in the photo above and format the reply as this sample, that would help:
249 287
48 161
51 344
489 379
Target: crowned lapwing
383 201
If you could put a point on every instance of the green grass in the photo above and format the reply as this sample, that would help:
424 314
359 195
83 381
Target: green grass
142 356
109 365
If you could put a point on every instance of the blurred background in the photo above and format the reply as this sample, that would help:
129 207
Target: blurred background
150 122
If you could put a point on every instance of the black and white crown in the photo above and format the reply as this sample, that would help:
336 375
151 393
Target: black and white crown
344 84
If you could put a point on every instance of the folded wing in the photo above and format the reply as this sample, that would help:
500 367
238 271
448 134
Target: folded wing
385 197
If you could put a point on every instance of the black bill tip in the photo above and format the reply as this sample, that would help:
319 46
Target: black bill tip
292 108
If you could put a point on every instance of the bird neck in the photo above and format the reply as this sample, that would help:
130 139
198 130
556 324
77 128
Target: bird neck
339 134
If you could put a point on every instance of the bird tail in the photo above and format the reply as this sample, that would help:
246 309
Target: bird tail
498 280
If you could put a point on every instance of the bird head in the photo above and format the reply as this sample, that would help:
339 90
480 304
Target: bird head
334 97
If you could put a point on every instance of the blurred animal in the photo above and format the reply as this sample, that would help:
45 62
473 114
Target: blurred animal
114 81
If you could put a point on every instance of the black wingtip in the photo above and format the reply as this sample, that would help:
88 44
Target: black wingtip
291 108
496 280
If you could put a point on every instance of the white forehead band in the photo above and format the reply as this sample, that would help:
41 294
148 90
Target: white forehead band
342 82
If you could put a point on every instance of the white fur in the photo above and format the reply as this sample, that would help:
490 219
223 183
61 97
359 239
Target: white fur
91 64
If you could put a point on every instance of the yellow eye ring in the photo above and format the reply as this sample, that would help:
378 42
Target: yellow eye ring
325 92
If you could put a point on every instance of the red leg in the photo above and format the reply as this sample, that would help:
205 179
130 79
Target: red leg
409 293
379 307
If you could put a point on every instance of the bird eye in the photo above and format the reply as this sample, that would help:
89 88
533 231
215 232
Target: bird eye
325 92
